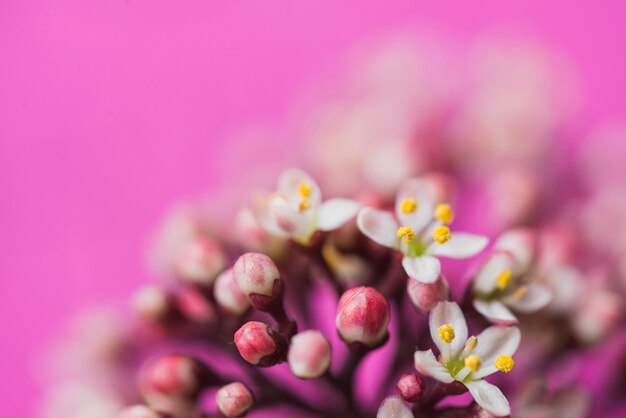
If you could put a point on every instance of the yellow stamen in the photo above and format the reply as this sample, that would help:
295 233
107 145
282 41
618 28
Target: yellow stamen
442 234
407 233
408 205
505 363
473 362
304 204
446 333
304 189
444 213
520 292
504 279
471 343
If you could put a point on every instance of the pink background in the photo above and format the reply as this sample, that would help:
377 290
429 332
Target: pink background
110 111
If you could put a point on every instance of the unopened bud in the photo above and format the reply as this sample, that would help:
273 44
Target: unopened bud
140 411
394 407
152 303
309 354
228 295
200 261
174 376
410 387
234 400
363 316
194 306
259 344
425 296
257 277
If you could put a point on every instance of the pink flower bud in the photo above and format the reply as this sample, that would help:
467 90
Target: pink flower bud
152 303
200 261
363 316
255 273
234 400
425 296
260 345
194 306
393 407
139 411
228 295
410 387
174 376
309 354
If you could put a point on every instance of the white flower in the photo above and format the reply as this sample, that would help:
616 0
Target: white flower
505 283
469 360
296 209
419 231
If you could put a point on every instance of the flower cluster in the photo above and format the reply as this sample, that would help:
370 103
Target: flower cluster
290 303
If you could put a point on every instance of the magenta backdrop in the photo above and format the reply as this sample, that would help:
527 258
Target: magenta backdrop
112 110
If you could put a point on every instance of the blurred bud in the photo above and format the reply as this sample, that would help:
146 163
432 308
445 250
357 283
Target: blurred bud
259 344
152 303
363 316
393 407
194 306
255 273
228 295
521 243
598 316
234 400
140 411
253 237
172 376
441 187
200 261
513 195
410 387
425 296
309 354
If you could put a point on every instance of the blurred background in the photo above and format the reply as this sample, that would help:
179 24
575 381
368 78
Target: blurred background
111 111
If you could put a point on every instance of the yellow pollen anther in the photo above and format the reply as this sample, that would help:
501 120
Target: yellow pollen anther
520 292
504 279
505 363
407 233
444 213
442 234
471 343
304 189
473 362
446 333
304 204
408 205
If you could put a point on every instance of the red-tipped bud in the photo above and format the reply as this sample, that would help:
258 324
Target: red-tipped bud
234 400
309 354
259 344
255 273
152 303
363 316
410 387
173 376
228 295
200 261
425 296
194 306
140 411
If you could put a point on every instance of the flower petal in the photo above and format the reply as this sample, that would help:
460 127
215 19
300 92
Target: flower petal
333 213
448 313
487 278
536 297
495 312
427 364
521 243
489 397
289 184
493 342
379 226
286 218
394 407
416 189
461 245
424 269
